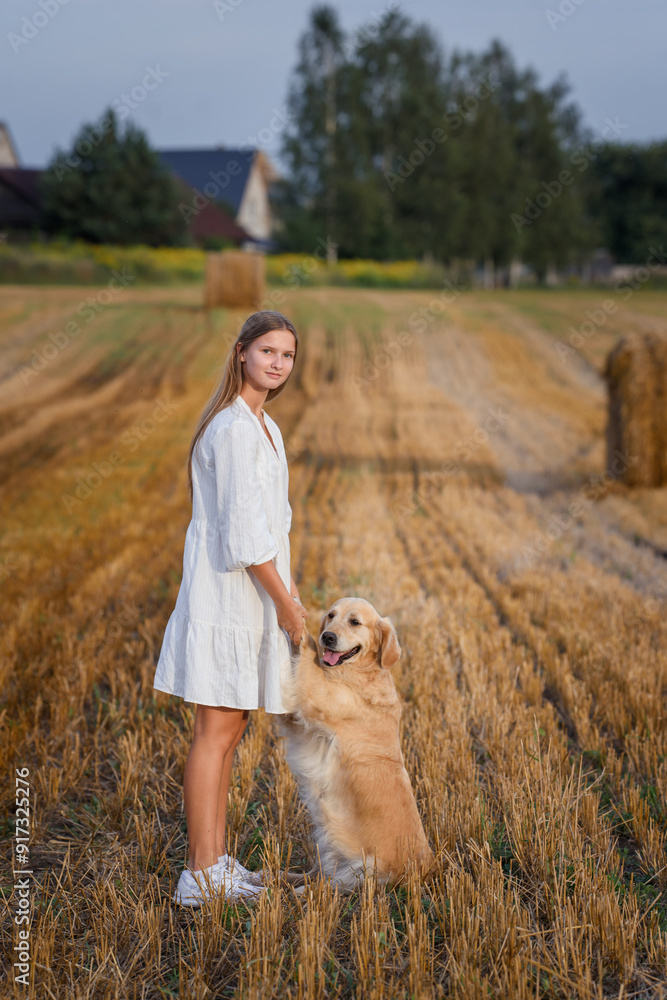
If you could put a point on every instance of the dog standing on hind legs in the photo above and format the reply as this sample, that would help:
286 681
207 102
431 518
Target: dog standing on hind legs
342 744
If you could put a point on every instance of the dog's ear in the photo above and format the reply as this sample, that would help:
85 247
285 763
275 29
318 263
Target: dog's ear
389 650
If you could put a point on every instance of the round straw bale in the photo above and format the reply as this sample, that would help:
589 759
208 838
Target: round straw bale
636 375
234 279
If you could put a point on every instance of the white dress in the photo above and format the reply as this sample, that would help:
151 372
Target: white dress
222 644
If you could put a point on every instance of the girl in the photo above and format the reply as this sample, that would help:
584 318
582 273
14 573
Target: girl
227 641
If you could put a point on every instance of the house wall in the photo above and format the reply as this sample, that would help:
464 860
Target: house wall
254 212
8 157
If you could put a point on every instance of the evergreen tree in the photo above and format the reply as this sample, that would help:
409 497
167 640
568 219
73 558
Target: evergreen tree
111 188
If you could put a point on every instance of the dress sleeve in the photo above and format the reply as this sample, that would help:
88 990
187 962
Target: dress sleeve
241 519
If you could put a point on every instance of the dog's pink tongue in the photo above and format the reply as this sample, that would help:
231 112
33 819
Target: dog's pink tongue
331 657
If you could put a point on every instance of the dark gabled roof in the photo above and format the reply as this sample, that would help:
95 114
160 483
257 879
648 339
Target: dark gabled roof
225 171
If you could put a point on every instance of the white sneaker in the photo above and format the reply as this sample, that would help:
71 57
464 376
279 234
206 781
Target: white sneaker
192 887
239 871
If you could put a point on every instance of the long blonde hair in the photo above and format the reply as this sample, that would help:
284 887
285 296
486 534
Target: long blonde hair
231 381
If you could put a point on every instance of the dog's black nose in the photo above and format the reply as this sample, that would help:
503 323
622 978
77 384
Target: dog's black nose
329 639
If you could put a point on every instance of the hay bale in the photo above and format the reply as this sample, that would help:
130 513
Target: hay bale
636 375
234 279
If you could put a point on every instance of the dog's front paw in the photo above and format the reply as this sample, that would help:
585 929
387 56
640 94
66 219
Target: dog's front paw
302 645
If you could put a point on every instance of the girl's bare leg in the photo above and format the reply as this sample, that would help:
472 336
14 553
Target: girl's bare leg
221 819
215 736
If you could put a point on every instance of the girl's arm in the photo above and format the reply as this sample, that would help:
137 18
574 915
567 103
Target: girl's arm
293 589
290 614
270 579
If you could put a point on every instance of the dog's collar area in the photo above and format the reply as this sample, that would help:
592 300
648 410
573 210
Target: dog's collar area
335 658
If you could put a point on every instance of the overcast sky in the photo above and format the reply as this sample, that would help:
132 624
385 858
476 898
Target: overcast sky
202 77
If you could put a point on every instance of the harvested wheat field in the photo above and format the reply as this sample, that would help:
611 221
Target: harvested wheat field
447 463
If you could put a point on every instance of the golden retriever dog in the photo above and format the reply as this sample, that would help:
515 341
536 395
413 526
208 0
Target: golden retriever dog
342 744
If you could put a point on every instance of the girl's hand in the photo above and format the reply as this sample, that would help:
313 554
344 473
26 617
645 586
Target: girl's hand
291 616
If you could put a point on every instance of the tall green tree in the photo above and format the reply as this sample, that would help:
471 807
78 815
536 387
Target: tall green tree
483 97
358 108
629 198
557 227
311 143
396 150
111 188
405 174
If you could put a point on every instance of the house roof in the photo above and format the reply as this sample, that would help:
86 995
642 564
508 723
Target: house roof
212 220
219 174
